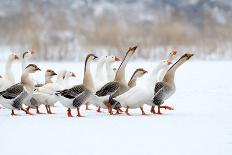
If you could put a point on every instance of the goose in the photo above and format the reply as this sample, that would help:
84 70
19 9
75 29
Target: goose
8 79
140 94
35 102
74 97
109 71
161 74
132 82
46 93
17 95
118 86
166 88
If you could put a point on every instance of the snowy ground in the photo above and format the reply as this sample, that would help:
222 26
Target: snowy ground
200 124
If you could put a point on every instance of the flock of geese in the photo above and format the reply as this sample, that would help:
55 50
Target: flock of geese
110 91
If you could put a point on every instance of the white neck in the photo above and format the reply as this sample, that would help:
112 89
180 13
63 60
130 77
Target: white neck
8 72
153 76
99 71
48 79
109 71
27 81
88 80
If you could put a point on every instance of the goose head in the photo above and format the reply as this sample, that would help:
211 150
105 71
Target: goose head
69 74
186 56
112 59
32 68
13 56
140 72
27 54
90 58
131 50
50 73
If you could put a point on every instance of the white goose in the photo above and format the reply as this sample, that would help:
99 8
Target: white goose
140 94
17 95
46 93
8 79
25 56
110 72
78 95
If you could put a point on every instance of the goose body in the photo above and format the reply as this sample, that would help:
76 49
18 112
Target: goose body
118 86
137 96
17 95
79 94
166 88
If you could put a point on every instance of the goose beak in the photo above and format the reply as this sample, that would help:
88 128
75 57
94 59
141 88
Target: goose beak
174 52
189 55
169 62
116 58
95 57
54 73
145 72
16 57
31 52
38 69
73 75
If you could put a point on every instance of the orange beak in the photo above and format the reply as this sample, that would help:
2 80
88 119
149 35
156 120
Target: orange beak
174 52
116 58
169 62
16 57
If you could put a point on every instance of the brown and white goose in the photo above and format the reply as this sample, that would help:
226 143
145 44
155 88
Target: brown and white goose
17 95
78 95
166 88
137 74
118 86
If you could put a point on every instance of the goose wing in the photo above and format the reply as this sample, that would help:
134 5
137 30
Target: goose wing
12 92
108 89
158 86
81 98
72 92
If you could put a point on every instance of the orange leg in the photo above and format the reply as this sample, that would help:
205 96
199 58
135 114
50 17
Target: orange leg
28 108
69 113
152 109
107 104
167 107
127 111
118 111
78 113
143 113
99 109
159 113
46 106
27 112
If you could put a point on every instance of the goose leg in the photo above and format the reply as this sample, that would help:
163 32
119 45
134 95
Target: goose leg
69 112
167 107
127 111
152 109
78 113
99 109
12 113
37 110
159 113
143 113
46 106
28 108
27 112
118 111
87 106
109 107
49 109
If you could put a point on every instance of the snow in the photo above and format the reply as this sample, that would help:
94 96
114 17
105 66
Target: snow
200 124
